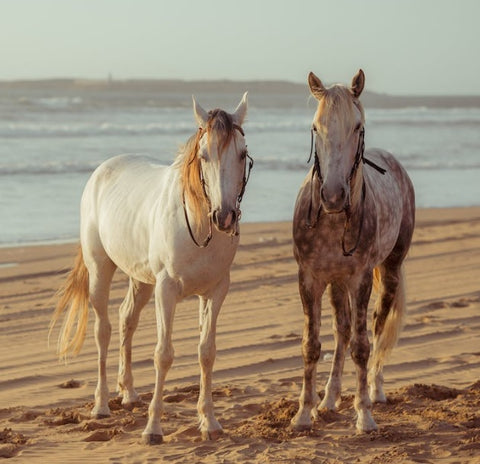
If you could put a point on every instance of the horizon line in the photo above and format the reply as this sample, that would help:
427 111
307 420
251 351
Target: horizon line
110 80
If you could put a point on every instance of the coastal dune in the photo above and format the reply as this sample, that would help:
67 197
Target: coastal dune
432 380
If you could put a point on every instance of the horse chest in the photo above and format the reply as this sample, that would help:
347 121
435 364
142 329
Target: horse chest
320 249
198 270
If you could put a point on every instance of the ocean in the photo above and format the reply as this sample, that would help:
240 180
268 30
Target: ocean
54 136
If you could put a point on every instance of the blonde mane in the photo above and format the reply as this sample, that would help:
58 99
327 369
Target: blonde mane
220 125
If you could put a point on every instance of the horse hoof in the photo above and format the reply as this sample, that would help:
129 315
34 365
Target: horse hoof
131 405
366 424
100 414
366 430
212 435
302 422
152 439
300 428
296 427
378 397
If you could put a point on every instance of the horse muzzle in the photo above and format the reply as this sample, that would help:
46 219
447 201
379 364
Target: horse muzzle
225 220
335 201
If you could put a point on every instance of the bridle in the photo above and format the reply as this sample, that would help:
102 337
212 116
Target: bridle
246 177
359 158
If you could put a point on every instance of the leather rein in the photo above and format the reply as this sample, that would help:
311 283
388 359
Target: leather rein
246 177
359 158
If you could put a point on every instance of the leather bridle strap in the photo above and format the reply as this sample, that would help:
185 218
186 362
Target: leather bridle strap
246 177
210 234
359 157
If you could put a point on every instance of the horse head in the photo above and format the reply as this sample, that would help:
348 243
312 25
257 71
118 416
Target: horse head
338 126
222 157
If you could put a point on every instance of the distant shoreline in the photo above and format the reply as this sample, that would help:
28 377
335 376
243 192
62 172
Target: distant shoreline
255 87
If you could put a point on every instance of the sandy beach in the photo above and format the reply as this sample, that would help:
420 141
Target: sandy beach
432 379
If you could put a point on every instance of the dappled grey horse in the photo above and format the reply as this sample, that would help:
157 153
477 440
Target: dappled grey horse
353 221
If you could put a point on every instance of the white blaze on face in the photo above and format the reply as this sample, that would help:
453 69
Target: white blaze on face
223 165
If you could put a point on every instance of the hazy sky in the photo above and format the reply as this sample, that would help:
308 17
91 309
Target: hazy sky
404 46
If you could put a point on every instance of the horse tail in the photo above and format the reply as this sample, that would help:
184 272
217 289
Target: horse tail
377 279
386 339
73 301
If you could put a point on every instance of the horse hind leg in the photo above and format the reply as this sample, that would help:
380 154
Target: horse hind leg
387 323
101 269
342 333
360 351
137 297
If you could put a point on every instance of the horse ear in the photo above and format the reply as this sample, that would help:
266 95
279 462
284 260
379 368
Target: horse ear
201 116
358 82
317 89
241 110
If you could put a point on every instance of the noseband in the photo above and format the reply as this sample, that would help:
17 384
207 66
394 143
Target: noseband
359 157
246 177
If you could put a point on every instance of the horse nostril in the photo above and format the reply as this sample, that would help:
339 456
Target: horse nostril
333 201
215 217
234 215
322 195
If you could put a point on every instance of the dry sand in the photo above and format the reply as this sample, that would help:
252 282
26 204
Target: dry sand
432 379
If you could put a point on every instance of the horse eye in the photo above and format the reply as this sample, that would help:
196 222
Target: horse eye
314 128
357 127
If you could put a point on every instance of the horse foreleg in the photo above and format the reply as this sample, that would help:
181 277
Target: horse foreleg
360 351
209 309
342 333
311 294
165 302
137 297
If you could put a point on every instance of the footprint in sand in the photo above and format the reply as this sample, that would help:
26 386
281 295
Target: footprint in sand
72 383
102 435
435 305
10 443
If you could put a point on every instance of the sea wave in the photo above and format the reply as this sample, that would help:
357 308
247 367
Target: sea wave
47 168
423 116
65 130
27 130
264 164
51 102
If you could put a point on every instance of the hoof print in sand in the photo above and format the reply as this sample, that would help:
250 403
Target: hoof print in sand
72 383
102 435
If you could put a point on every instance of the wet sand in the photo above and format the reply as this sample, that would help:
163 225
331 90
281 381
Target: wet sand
432 379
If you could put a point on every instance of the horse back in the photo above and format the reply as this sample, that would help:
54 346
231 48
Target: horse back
116 211
392 199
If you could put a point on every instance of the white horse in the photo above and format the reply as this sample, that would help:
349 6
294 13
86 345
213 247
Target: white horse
154 222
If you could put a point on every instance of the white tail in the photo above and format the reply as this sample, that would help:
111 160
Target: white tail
74 303
386 340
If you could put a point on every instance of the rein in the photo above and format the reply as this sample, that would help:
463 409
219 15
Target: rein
359 157
246 177
205 243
